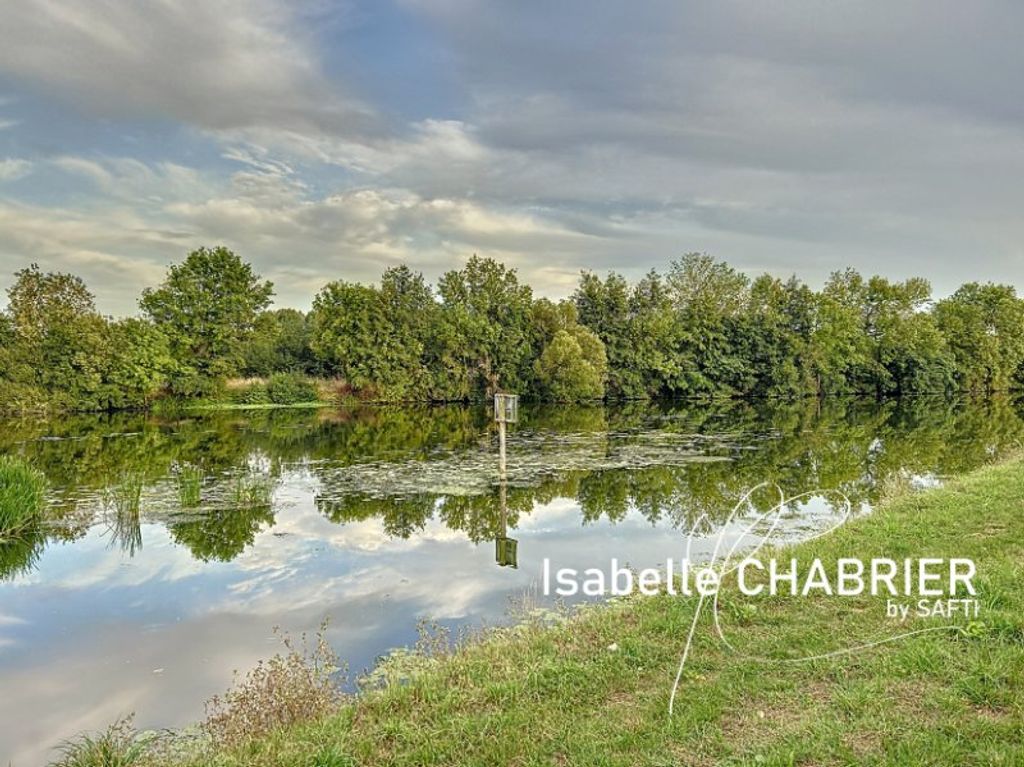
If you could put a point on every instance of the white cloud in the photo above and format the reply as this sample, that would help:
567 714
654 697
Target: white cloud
212 64
13 169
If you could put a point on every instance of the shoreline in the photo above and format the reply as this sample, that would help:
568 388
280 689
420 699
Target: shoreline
594 688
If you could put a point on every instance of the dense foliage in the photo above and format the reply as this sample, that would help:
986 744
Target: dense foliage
700 329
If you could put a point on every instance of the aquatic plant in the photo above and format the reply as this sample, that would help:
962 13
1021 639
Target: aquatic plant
125 496
290 688
252 491
22 493
190 485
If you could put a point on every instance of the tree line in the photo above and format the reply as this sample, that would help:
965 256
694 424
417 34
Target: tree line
701 328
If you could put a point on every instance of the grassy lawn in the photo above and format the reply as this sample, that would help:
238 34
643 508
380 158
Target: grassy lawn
595 690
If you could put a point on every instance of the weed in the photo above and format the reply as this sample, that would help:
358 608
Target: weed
290 688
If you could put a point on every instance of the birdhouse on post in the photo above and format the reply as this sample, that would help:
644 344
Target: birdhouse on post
506 411
506 408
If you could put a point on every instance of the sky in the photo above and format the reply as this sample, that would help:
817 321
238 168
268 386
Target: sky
330 139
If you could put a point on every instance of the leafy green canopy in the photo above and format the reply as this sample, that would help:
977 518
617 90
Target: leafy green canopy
207 307
700 329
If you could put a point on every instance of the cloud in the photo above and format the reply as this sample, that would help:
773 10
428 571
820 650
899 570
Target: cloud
580 135
13 169
137 218
211 64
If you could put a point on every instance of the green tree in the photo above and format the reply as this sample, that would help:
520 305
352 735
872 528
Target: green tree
376 338
709 297
984 328
570 363
136 367
207 307
57 337
572 367
279 344
486 313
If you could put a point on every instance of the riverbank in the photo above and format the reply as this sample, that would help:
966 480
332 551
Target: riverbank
595 690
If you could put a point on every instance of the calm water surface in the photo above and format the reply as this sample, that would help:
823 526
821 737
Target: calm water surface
379 517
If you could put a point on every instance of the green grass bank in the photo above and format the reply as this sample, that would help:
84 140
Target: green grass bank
594 690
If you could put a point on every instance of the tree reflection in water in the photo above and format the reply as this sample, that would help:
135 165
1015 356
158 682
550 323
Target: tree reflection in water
670 463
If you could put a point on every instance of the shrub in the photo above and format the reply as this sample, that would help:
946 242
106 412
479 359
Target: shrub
290 389
253 394
288 689
22 398
22 492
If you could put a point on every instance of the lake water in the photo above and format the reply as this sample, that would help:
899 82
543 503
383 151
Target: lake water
376 518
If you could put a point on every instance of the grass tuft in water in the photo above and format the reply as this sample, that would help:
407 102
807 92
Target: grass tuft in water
125 496
190 485
252 491
22 493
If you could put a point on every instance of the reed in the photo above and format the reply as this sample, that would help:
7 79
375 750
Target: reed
190 486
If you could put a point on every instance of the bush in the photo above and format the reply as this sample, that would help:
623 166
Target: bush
288 689
253 394
22 492
22 398
290 389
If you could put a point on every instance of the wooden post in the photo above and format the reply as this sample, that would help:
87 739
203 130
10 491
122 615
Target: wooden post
501 450
506 410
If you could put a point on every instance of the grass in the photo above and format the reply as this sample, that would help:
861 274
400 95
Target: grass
594 690
117 746
22 494
190 485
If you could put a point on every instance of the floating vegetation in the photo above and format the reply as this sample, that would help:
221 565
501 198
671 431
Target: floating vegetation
22 495
533 457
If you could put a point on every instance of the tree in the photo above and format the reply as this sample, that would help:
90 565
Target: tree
709 297
279 344
984 328
570 362
57 337
207 306
137 365
775 337
572 367
376 338
487 317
